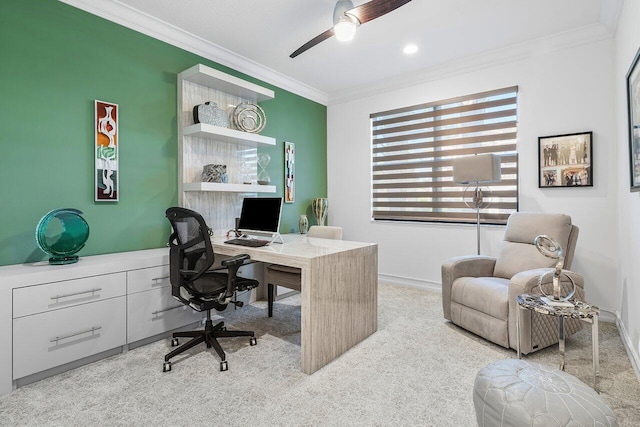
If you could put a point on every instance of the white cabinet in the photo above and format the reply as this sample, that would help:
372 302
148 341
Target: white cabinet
59 322
156 311
146 279
201 144
53 315
45 340
53 296
151 310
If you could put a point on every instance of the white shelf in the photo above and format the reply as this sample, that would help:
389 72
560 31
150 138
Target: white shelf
207 76
231 188
203 130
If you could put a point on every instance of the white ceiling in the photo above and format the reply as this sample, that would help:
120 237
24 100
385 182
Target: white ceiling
267 31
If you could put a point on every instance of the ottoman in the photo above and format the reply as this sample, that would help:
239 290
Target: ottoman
513 392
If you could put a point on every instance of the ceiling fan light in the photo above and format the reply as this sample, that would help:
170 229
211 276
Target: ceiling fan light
344 29
410 49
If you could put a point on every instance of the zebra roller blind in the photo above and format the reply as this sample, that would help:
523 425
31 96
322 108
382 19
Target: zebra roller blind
413 148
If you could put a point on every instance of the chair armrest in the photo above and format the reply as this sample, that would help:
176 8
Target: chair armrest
232 265
235 260
526 282
463 266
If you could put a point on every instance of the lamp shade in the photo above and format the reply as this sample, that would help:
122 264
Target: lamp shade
481 168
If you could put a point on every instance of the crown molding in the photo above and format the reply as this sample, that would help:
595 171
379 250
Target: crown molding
136 20
610 11
568 39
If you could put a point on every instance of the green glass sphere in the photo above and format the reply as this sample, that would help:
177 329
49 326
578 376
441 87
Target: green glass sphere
61 234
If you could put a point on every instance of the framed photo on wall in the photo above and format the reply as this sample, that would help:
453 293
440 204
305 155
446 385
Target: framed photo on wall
633 107
565 160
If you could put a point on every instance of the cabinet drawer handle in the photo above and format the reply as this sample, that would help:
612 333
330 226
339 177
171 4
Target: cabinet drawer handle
155 313
160 278
92 330
93 291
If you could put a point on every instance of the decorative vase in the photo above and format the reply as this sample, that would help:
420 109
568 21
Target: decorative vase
304 224
61 234
320 206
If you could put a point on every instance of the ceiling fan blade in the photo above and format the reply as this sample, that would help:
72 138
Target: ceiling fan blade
311 43
363 13
375 9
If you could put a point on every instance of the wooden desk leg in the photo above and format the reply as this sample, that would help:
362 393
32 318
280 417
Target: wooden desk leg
339 305
561 340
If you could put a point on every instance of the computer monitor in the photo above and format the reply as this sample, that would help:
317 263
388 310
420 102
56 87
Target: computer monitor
260 216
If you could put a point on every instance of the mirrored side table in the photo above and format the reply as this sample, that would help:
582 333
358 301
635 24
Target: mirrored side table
573 310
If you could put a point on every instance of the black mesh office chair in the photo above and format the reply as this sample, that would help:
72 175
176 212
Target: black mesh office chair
196 284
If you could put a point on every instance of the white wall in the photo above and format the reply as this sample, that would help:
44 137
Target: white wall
627 43
560 91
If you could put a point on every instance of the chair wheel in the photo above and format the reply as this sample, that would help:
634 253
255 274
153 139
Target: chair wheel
224 366
175 342
166 367
253 341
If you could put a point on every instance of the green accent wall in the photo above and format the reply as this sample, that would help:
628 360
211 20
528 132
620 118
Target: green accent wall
55 60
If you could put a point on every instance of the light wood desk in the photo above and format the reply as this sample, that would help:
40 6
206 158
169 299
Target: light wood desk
339 291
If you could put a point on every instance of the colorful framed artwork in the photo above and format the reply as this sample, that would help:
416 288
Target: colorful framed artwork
565 160
289 172
106 151
633 108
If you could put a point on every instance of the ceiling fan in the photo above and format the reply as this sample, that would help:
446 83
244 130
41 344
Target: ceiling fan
347 18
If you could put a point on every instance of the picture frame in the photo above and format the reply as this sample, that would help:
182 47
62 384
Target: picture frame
565 160
633 111
106 144
289 172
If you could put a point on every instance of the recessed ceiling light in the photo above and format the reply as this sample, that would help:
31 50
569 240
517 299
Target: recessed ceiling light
410 49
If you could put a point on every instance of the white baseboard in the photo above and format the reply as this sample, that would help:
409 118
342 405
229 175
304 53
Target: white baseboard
410 282
626 340
608 316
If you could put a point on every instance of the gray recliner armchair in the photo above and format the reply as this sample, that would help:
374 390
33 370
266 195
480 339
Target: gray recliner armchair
479 292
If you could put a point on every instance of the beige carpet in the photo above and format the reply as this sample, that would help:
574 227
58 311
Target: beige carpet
416 370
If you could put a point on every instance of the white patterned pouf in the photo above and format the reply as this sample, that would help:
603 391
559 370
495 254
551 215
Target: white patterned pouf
513 392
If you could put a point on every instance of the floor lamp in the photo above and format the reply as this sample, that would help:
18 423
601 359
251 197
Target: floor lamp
474 171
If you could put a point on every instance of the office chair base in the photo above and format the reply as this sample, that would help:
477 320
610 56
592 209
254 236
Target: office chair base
209 336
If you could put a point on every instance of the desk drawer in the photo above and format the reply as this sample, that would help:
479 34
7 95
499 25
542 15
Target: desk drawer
50 339
146 279
154 312
56 295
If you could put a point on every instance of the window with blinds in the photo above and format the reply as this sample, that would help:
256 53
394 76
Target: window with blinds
412 152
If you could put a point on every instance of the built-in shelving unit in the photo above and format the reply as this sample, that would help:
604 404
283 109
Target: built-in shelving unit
210 77
225 187
201 144
203 130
